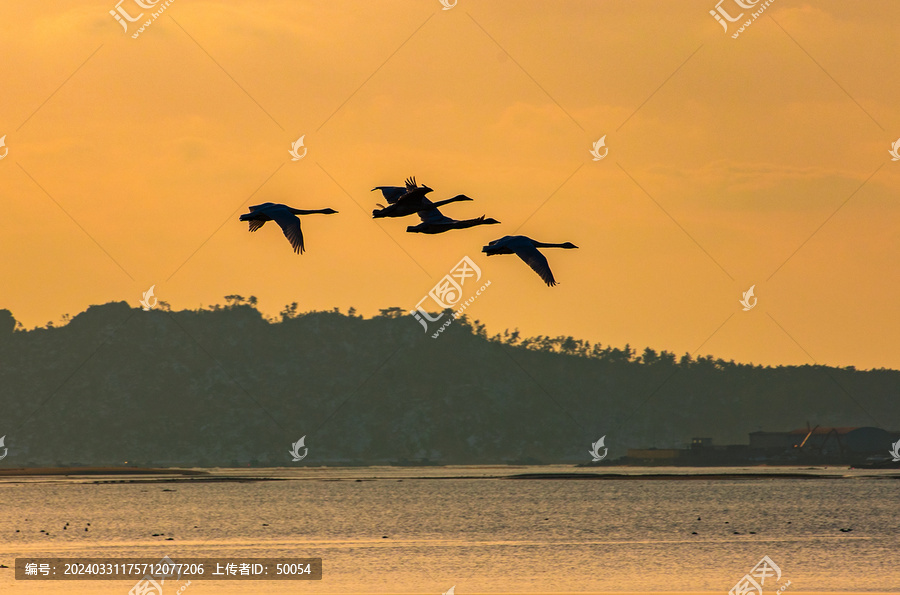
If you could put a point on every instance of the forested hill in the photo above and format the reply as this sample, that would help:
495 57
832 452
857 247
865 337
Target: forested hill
224 386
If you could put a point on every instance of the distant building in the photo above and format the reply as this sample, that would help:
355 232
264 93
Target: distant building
831 443
844 442
803 446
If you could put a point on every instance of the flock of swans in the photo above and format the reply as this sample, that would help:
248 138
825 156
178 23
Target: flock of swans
408 200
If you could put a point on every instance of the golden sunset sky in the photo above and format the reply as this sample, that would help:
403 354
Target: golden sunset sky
757 161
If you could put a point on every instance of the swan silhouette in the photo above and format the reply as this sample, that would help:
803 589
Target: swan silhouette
284 216
527 249
394 193
433 221
409 199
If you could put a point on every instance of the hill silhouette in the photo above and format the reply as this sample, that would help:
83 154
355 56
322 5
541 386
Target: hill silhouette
224 386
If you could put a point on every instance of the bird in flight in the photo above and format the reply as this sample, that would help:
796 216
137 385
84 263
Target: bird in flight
433 221
527 249
284 216
394 193
409 199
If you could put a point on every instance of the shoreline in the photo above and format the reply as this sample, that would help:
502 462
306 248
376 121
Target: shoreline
372 473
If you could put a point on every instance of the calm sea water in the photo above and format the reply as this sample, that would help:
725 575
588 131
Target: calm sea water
392 530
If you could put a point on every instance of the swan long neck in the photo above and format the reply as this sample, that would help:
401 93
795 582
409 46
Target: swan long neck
449 200
543 245
466 223
309 211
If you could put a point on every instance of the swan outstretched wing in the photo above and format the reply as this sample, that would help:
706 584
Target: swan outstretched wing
413 191
290 225
537 261
391 193
256 224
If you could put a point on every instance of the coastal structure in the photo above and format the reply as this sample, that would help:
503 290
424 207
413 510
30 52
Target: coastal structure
811 445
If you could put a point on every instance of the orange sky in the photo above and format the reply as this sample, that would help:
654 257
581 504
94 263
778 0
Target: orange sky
130 160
